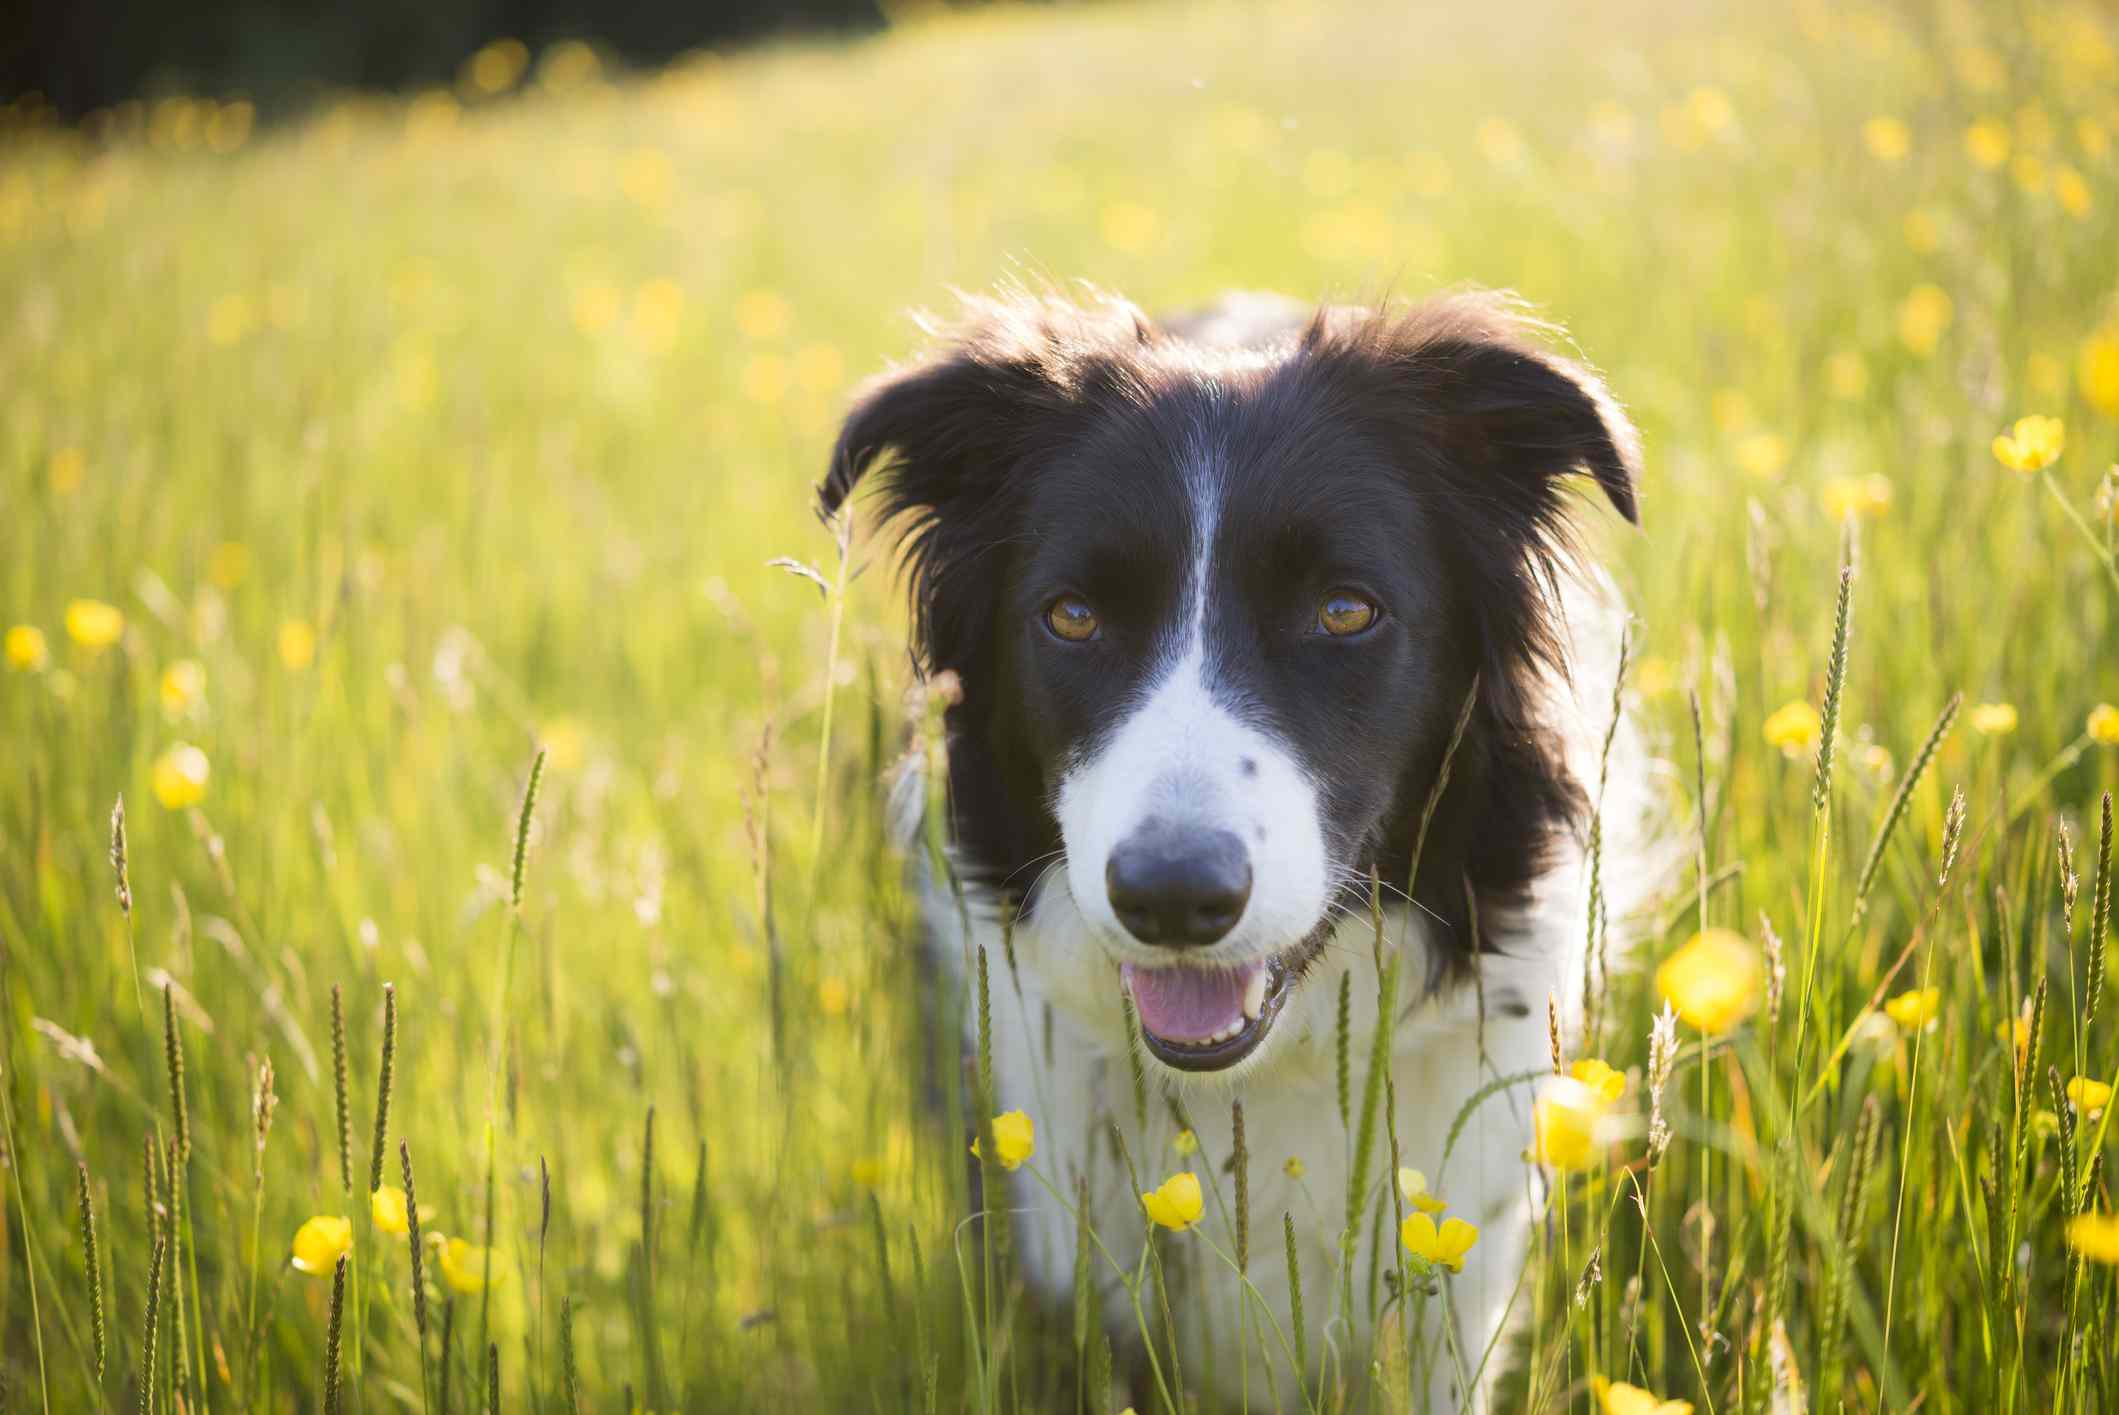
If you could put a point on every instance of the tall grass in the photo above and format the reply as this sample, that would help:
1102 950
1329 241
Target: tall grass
419 439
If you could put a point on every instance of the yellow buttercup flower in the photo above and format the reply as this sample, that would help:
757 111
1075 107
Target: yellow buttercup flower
463 1265
2097 371
866 1172
1608 1084
1994 719
1793 728
26 649
1619 1398
1444 1246
320 1243
93 624
387 1207
297 644
228 563
2088 1096
1762 455
1185 1142
1915 1009
1923 316
1986 142
2095 1236
183 686
1176 1203
2016 1033
1887 138
2033 444
1864 497
1847 375
1014 1139
2103 724
179 776
1564 1124
1293 1169
1713 981
1412 1186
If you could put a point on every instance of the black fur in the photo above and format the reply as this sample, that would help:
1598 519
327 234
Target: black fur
1417 455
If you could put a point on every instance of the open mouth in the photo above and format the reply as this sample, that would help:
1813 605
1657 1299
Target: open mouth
1206 1019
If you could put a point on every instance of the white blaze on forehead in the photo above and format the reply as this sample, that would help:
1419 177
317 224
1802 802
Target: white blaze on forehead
1181 756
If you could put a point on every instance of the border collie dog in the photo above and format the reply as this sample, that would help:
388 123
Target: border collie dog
1218 592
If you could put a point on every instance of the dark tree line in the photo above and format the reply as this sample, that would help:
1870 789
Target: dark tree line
85 54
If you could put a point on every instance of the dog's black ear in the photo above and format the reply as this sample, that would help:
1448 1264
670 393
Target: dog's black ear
957 421
1506 414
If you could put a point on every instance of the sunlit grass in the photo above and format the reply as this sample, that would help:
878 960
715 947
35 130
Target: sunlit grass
347 465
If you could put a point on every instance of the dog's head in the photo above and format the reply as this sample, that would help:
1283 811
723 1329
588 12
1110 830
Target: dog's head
1216 609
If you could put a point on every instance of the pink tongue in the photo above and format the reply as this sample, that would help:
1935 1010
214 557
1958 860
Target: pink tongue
1187 1004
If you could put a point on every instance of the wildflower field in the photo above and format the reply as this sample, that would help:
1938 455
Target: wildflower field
498 987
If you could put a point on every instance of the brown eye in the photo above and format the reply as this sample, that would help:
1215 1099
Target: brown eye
1344 612
1069 617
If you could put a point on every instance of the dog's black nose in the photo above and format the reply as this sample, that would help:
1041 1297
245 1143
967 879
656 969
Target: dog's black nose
1181 888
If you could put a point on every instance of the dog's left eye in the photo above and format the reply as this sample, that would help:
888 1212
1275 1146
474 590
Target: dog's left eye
1344 612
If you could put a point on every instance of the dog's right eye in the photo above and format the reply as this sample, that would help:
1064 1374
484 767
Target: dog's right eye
1069 617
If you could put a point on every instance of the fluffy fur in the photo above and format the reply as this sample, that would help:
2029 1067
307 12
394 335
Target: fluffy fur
1204 485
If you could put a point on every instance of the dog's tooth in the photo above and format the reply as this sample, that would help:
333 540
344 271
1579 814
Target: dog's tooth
1254 995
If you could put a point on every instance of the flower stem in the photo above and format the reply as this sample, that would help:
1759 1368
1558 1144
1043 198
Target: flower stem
2089 536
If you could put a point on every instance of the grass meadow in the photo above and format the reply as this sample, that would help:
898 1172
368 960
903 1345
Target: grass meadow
353 463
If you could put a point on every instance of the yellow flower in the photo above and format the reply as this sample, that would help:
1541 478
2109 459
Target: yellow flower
2097 371
1014 1137
1793 728
1564 1124
1923 315
1412 1185
1866 497
1608 1084
1994 719
387 1207
463 1265
2095 1236
66 469
93 624
2071 191
2088 1096
1986 142
1654 676
866 1172
1887 138
1914 1009
1713 981
183 685
1176 1203
2015 1032
2033 443
26 649
1847 375
1619 1398
297 644
1185 1142
1293 1169
179 776
228 563
320 1243
1762 455
1444 1246
2103 724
